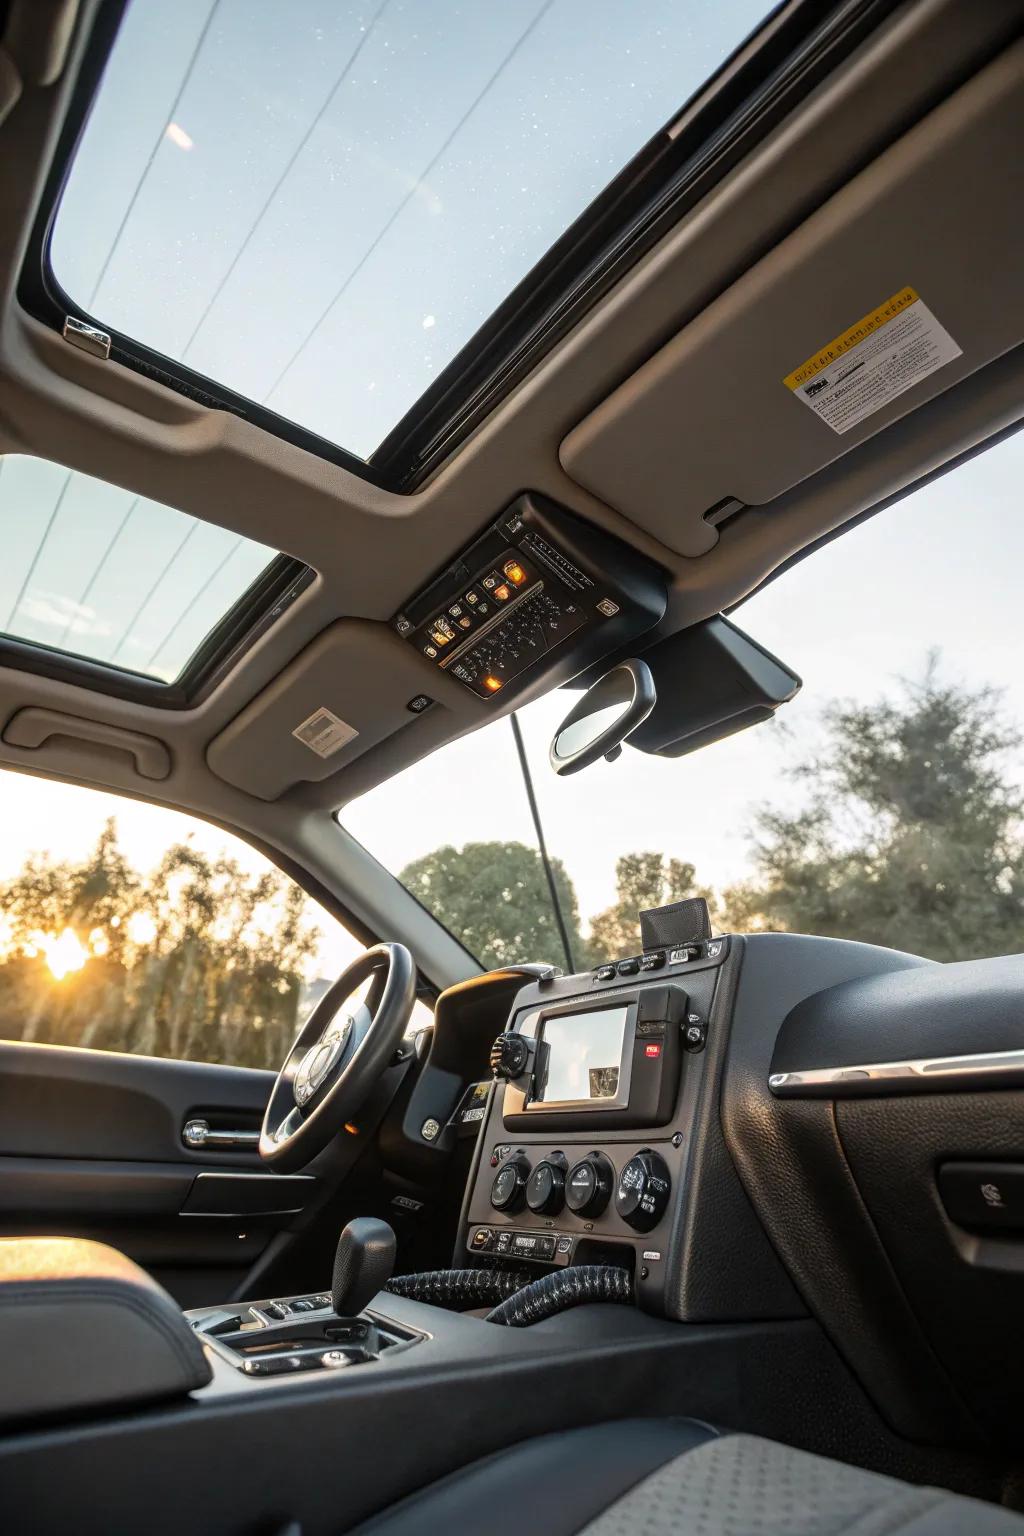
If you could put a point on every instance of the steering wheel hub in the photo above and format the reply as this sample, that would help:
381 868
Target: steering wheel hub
338 1056
321 1059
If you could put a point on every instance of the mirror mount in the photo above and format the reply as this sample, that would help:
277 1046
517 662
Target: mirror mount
597 725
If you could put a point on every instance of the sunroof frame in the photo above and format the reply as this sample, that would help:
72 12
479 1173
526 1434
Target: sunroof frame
764 78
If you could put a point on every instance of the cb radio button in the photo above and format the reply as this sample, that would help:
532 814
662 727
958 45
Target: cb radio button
509 1055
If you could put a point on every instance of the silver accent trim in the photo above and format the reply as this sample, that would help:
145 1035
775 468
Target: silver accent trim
87 338
197 1135
947 1071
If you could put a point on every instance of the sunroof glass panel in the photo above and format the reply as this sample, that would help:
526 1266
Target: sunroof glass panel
318 204
97 572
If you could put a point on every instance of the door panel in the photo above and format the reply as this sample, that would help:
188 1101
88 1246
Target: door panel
91 1145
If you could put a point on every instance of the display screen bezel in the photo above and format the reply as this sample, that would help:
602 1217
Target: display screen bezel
533 1027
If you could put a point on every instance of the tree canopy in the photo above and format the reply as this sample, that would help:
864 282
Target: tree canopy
911 832
495 898
199 959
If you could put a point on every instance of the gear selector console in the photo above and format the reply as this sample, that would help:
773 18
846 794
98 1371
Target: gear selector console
316 1332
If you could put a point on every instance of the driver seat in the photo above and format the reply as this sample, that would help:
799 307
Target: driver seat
678 1477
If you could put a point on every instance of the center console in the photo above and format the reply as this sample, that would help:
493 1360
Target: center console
584 1152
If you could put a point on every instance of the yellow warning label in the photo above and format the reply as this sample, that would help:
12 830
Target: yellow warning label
852 338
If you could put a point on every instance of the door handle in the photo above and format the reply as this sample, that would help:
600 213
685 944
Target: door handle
198 1135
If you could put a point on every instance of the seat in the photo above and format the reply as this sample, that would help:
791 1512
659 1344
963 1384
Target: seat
677 1477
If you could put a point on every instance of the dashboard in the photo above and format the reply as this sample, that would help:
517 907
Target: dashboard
770 1126
583 1143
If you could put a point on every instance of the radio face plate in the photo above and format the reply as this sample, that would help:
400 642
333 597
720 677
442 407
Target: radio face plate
646 1073
573 1040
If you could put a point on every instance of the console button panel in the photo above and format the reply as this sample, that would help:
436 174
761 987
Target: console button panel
537 580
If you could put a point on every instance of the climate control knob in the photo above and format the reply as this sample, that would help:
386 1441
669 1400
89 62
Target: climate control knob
644 1187
545 1188
589 1185
509 1055
508 1192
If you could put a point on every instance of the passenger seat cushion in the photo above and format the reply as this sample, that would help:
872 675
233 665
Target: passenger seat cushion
677 1477
549 1486
742 1486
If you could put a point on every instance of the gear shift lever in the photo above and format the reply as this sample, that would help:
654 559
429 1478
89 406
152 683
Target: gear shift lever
362 1265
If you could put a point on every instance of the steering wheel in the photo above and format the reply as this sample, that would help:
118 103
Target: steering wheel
338 1056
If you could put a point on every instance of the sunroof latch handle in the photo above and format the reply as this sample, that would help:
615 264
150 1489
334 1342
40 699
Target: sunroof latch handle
86 337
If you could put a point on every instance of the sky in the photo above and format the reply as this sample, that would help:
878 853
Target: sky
318 203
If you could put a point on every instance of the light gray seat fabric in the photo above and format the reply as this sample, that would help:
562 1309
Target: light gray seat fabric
739 1485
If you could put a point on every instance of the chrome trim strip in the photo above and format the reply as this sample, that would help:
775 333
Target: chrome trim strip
198 1135
951 1071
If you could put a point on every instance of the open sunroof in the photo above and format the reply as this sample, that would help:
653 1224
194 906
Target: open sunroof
98 573
316 205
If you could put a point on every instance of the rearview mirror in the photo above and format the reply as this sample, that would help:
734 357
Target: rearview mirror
596 727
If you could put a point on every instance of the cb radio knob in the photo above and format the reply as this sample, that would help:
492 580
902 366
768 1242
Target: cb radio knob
644 1186
509 1055
545 1188
508 1192
589 1185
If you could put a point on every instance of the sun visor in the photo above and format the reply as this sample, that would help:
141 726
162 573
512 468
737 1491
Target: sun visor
354 686
902 284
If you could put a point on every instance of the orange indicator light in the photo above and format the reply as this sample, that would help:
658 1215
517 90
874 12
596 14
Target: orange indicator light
492 683
515 573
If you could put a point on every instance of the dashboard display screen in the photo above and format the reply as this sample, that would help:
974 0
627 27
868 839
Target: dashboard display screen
582 1056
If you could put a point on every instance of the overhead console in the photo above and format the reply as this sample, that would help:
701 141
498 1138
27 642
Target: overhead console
539 586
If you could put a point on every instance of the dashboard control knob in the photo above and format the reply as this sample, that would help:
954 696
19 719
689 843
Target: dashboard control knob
509 1055
508 1192
545 1188
644 1187
589 1185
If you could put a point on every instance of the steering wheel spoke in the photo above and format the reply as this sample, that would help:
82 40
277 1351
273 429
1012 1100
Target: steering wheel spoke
337 1056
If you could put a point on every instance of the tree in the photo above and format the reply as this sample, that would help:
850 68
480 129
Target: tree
199 959
912 833
495 898
642 881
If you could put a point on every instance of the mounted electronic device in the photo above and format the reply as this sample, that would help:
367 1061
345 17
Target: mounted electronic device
539 587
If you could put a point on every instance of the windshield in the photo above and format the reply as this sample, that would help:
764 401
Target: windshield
883 804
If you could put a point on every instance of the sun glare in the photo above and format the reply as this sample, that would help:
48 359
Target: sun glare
63 952
141 928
